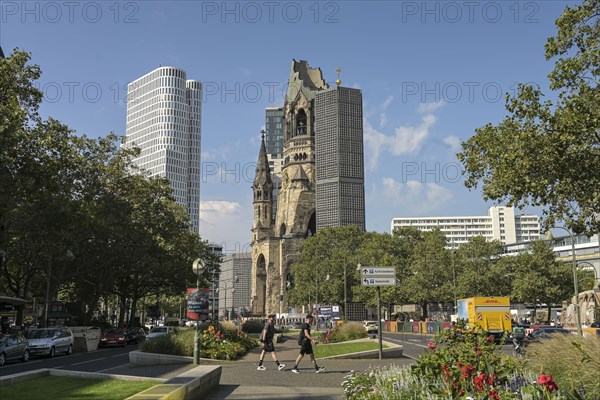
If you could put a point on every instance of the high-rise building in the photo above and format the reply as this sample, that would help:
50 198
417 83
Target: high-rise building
234 284
163 120
274 120
339 158
501 224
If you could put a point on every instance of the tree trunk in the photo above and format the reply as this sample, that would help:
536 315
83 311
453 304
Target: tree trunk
133 311
424 308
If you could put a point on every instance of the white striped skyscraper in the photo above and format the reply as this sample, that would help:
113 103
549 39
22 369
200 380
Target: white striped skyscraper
163 120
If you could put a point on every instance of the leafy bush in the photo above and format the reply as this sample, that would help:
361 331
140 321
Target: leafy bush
459 364
253 326
571 360
391 382
215 343
344 332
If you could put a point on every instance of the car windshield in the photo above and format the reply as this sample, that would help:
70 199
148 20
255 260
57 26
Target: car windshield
42 334
111 332
159 329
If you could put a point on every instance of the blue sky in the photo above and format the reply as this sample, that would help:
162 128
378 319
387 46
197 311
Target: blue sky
430 73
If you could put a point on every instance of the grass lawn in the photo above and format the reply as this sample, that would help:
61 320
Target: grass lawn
334 349
72 388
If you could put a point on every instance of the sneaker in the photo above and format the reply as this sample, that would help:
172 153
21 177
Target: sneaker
261 368
281 366
295 370
321 369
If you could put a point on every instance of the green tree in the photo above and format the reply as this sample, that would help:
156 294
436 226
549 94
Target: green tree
325 255
547 153
539 277
430 279
478 269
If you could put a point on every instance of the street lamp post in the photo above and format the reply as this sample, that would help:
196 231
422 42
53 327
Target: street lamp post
232 303
575 283
198 267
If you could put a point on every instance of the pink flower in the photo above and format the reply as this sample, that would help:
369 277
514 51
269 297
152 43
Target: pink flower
431 346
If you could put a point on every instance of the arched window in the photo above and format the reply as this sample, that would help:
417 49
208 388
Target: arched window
282 230
312 225
300 123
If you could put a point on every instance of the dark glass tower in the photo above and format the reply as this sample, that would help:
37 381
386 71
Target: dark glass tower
339 158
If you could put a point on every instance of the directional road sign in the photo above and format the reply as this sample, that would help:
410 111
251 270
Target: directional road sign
378 281
378 271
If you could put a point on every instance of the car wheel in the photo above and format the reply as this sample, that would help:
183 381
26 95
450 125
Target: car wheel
2 359
69 350
25 356
52 352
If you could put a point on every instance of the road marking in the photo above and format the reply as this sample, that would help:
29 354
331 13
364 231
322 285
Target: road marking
108 369
85 362
120 355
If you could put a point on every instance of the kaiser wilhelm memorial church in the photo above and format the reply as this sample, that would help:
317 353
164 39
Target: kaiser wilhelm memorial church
321 180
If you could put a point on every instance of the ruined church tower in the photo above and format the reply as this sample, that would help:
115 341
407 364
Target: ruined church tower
276 243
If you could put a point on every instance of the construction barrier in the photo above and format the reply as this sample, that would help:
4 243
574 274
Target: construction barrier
386 326
394 326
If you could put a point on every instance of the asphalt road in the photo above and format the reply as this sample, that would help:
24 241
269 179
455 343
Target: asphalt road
102 360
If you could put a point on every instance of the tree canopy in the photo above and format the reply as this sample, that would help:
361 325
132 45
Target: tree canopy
76 216
547 152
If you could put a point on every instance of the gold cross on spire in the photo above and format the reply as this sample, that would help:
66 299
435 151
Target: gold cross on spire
338 81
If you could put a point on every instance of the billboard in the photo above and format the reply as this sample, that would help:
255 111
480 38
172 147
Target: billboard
197 303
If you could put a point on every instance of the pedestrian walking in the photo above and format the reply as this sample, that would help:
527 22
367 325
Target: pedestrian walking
305 341
266 338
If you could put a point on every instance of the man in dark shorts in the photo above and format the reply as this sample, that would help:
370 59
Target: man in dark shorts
306 342
266 339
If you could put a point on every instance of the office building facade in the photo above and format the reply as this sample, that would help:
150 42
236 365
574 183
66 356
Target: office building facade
339 158
163 120
501 224
234 284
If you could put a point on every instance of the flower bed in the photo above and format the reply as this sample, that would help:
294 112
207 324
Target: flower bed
218 341
459 364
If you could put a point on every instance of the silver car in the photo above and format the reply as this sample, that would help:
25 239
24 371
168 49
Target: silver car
49 341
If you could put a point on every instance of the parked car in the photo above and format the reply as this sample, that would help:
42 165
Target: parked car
51 340
371 326
13 347
160 331
112 337
135 335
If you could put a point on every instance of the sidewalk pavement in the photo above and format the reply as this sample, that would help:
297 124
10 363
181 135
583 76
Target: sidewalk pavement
241 379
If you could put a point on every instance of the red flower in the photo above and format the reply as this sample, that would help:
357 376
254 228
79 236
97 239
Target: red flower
547 381
431 346
493 395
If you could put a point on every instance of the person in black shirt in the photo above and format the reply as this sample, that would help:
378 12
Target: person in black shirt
266 339
306 346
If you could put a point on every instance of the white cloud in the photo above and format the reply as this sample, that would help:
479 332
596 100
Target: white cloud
219 207
383 116
453 142
414 197
428 108
405 140
227 223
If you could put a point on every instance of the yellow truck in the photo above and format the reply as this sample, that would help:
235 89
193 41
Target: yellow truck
491 314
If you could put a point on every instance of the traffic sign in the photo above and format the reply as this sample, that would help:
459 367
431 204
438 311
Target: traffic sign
379 271
378 281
